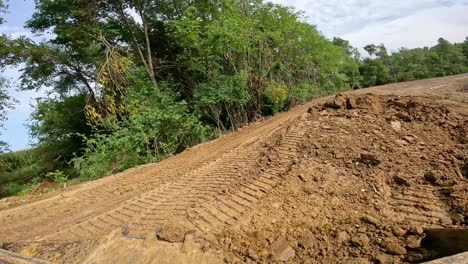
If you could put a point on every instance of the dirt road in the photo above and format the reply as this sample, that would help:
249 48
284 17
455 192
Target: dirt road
353 178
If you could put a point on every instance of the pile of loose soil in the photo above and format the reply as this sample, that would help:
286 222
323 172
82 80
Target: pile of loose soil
373 172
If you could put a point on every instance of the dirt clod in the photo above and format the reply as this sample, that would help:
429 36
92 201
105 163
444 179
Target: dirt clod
397 231
369 159
360 240
394 248
431 177
342 237
281 250
416 230
413 241
370 220
401 181
396 125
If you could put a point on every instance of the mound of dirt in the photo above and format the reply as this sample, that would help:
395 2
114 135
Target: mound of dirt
371 173
356 178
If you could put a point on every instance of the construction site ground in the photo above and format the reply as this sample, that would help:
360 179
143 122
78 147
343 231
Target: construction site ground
360 177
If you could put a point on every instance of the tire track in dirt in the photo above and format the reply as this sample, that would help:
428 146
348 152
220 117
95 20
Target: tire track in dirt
419 205
59 212
158 206
224 210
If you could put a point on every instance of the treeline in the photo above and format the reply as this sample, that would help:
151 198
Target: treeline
443 59
134 82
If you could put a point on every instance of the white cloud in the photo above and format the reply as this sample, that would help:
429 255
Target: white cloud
420 29
339 17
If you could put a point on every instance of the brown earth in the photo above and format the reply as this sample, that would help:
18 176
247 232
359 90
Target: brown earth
355 178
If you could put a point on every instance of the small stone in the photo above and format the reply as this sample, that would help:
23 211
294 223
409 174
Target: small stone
397 231
413 242
369 220
338 155
396 125
416 230
342 237
360 240
281 250
287 254
302 177
393 248
401 181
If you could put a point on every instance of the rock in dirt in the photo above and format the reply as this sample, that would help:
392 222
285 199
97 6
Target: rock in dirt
401 181
416 230
394 248
342 237
369 220
302 177
413 242
397 231
281 250
360 240
369 159
396 125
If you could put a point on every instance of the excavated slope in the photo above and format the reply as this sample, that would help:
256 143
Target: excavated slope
350 178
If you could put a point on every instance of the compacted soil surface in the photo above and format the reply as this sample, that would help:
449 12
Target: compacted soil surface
367 176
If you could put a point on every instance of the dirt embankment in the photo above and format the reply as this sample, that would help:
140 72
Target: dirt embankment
357 178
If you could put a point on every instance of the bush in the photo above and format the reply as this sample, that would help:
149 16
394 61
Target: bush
157 127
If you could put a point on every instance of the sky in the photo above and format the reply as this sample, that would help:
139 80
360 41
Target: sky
396 23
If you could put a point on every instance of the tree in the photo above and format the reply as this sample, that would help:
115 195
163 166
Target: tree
443 59
5 99
371 49
347 47
3 7
61 129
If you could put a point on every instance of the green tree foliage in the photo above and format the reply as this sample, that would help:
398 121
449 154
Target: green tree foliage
240 50
158 125
5 99
443 59
3 7
60 126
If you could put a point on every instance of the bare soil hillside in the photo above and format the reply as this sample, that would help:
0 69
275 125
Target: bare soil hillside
356 178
